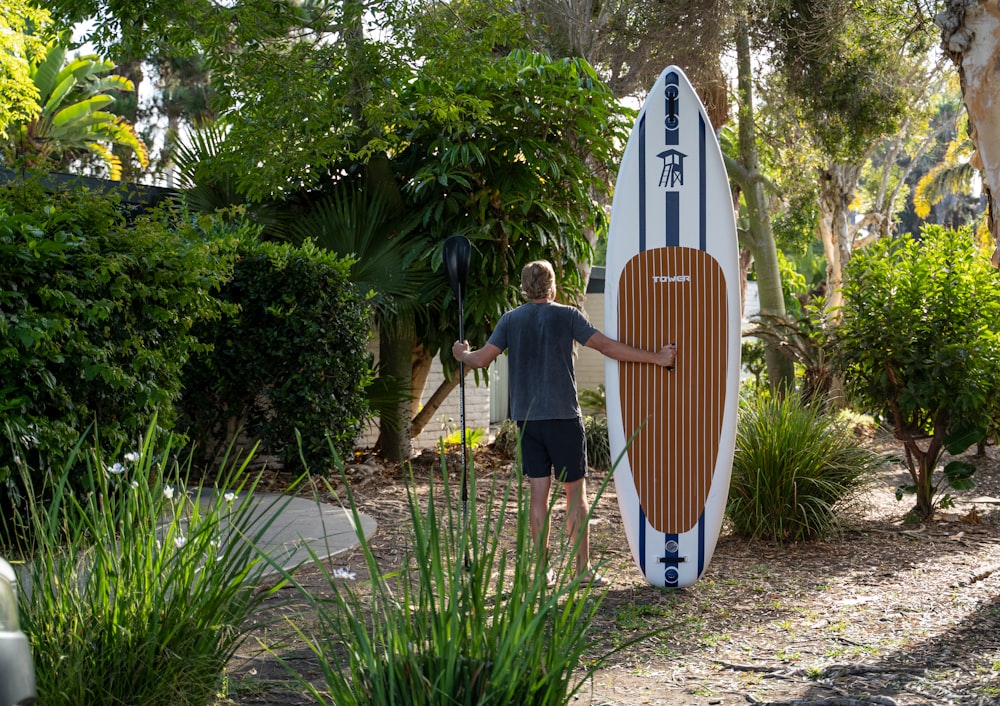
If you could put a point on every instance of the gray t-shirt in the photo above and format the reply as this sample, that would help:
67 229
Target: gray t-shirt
539 340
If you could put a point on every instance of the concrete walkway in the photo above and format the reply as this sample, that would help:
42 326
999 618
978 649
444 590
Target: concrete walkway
298 528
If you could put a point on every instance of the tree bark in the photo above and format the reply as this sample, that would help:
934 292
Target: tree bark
396 343
837 186
434 402
970 35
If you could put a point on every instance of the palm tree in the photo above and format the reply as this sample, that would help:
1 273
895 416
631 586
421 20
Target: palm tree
954 174
391 268
72 120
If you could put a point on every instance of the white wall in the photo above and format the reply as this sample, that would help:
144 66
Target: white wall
590 363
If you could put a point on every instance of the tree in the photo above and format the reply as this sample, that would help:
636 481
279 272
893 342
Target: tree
72 121
758 236
184 96
920 341
504 145
22 38
885 180
970 35
625 41
849 68
952 175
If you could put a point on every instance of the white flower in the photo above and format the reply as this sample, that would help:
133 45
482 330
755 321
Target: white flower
168 492
132 456
229 497
117 469
344 573
135 485
180 541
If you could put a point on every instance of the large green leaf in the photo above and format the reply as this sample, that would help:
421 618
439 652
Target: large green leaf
80 112
85 67
959 475
959 440
47 71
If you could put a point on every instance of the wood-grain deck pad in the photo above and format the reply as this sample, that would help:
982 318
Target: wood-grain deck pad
674 295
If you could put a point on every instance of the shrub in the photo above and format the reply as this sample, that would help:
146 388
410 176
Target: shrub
806 342
594 401
96 317
140 591
794 468
919 343
453 625
292 360
598 443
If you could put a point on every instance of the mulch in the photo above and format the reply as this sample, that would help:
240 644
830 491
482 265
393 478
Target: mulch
888 612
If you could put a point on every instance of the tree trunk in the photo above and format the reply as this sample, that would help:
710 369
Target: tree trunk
970 35
837 186
420 370
396 343
434 402
780 369
921 463
746 262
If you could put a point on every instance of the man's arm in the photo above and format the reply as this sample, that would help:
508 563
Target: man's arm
474 358
617 350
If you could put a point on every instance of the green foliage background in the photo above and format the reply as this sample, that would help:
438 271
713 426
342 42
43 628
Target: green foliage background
96 317
920 335
289 357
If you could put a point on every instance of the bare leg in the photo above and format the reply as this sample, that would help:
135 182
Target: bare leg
577 510
538 517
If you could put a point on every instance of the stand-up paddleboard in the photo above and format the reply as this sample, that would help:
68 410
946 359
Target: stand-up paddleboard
672 277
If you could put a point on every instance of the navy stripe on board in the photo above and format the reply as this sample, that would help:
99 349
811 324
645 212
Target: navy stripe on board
642 539
701 544
702 184
702 245
672 222
671 570
642 247
671 103
642 183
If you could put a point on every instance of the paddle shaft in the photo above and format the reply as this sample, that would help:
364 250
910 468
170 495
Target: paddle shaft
457 252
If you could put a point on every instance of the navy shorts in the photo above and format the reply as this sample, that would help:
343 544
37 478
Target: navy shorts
559 444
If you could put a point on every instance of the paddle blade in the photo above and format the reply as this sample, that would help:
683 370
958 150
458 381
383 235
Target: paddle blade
457 253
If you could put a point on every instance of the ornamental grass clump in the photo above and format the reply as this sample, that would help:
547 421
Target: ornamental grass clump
137 590
464 621
795 470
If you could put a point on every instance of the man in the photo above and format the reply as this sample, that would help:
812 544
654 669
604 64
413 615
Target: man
539 336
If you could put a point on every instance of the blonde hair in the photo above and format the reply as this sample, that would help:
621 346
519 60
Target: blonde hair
538 280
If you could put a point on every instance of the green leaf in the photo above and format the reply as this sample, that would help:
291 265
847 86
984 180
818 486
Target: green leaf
958 441
48 71
959 475
81 110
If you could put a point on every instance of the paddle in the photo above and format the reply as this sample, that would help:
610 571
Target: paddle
457 253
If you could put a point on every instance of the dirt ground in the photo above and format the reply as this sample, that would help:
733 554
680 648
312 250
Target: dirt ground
889 613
